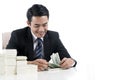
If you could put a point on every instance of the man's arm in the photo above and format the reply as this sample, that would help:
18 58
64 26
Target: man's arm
66 60
41 63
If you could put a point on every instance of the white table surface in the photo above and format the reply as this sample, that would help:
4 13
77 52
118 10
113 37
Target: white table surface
51 74
80 72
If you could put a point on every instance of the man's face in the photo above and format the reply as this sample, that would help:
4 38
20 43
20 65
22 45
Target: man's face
39 25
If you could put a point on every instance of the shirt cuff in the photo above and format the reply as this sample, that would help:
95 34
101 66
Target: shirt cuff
73 64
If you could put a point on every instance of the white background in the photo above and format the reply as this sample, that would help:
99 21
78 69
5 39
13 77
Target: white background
89 29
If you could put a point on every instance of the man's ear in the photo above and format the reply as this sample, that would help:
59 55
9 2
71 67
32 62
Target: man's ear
28 23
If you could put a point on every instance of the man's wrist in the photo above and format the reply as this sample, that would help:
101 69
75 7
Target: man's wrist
74 63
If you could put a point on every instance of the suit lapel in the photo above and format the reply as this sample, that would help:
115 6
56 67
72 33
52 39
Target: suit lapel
46 47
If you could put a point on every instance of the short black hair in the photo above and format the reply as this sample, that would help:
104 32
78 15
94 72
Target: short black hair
37 10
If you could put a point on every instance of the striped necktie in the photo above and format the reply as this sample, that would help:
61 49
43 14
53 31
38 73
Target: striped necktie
39 49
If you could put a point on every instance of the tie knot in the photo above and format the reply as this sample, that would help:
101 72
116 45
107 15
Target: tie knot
39 39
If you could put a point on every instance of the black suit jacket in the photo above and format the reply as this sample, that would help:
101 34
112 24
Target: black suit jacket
22 40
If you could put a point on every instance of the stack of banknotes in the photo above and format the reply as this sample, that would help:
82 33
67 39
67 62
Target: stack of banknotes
23 67
55 61
8 62
11 64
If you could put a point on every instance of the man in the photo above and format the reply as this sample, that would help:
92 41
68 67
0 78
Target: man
25 40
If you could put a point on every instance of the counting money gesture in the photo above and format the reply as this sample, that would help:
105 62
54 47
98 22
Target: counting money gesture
66 63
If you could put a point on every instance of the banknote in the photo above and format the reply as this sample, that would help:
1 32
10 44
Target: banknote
55 61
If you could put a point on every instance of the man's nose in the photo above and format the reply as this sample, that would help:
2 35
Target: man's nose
41 28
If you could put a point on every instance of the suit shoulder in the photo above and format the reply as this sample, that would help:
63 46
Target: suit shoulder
20 33
52 33
21 30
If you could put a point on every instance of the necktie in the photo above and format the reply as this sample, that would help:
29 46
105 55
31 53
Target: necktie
39 49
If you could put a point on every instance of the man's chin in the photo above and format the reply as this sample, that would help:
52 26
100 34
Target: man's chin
41 36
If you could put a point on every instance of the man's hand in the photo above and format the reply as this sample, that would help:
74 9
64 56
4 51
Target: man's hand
42 64
67 63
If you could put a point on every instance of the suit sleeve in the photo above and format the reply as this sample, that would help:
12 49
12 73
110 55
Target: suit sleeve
62 50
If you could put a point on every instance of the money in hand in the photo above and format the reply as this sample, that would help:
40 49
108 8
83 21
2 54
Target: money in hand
56 61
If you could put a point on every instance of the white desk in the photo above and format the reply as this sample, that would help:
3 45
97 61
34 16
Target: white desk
51 74
80 72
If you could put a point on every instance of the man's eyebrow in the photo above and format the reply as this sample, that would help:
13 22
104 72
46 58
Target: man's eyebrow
46 23
41 24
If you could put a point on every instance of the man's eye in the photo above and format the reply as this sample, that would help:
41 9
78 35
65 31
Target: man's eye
44 25
36 26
